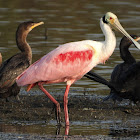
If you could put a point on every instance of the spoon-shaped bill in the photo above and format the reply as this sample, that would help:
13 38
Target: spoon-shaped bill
116 25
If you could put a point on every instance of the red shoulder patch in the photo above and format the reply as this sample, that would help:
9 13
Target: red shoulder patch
70 57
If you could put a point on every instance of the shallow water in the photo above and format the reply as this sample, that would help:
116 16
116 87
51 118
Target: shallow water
90 118
66 21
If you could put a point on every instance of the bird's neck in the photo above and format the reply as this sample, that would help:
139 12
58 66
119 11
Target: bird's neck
23 45
126 55
110 40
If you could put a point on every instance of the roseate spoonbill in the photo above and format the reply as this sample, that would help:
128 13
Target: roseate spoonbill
71 61
16 64
125 81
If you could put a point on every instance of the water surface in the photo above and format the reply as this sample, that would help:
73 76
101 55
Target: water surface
67 21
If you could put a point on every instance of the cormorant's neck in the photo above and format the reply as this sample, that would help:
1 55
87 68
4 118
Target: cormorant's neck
23 45
125 53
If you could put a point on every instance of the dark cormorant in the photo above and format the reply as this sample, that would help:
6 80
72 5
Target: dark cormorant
0 59
16 64
125 78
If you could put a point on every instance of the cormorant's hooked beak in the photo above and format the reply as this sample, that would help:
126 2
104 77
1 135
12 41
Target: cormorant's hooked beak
37 24
137 39
115 24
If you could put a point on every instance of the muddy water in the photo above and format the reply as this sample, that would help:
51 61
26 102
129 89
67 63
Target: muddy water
90 118
67 21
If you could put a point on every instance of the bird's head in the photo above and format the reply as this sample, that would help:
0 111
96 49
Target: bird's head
109 18
137 38
125 42
112 20
26 27
30 25
22 32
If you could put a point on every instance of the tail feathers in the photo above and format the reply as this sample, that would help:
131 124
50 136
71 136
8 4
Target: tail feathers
114 89
98 78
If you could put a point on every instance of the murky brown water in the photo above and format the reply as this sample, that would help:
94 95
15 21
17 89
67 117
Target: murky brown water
66 21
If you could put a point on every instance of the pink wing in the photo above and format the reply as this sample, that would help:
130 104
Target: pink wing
59 65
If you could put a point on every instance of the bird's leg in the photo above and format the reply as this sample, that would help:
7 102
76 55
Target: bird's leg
67 129
58 117
58 111
65 105
58 130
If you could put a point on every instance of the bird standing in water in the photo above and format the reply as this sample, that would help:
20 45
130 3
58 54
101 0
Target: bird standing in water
125 79
71 61
16 64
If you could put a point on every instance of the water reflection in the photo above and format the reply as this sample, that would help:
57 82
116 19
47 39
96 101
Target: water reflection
43 129
114 129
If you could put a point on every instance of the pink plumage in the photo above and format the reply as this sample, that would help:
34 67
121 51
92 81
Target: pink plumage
67 63
60 65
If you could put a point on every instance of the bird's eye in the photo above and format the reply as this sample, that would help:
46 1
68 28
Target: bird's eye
135 37
111 18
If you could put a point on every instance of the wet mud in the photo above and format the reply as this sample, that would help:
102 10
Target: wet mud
82 108
38 108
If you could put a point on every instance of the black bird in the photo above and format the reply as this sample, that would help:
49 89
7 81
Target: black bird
16 64
125 78
0 59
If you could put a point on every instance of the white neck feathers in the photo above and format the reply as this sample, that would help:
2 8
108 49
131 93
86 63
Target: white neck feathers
110 40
